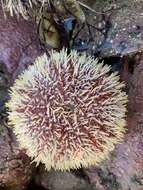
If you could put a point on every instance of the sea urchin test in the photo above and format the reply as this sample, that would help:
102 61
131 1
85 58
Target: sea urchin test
67 110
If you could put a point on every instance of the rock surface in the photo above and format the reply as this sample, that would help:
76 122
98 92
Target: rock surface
19 46
114 28
15 168
56 180
124 169
19 43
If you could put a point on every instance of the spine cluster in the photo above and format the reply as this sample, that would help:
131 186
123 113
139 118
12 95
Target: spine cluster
67 111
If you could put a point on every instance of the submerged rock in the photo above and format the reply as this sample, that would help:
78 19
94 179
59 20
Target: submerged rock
124 168
19 43
118 31
57 180
15 168
114 28
19 46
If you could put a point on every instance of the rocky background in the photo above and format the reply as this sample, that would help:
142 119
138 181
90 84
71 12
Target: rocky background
114 32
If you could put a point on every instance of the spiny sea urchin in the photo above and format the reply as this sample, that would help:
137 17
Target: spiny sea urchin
34 8
22 7
67 111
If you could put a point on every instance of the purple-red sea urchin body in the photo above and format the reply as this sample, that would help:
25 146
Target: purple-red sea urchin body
67 111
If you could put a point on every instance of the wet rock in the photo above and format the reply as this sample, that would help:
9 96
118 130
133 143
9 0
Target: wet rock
124 168
15 168
132 74
118 31
19 43
56 180
19 46
114 28
4 84
136 87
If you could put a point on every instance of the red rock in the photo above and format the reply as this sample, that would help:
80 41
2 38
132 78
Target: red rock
124 168
19 46
57 180
15 167
19 43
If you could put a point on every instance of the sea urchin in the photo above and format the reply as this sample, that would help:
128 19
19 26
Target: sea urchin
67 111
